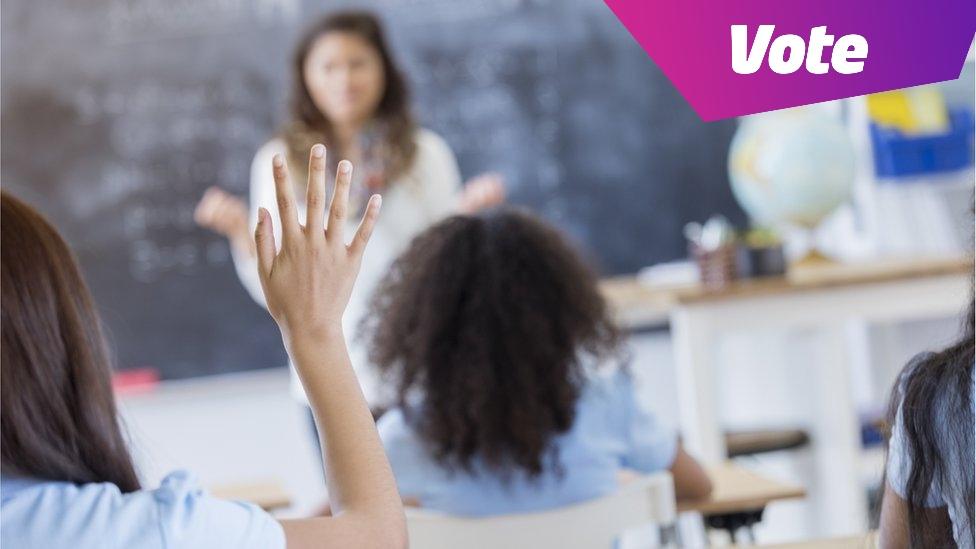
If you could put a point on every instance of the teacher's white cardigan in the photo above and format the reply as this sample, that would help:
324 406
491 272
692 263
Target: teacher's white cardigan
424 195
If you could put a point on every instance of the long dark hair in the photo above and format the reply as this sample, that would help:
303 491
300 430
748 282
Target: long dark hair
58 417
935 393
487 317
308 125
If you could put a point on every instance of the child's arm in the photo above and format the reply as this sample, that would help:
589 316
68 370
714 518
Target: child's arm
893 526
307 285
690 479
654 447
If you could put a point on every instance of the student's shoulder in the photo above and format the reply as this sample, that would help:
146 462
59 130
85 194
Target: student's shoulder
401 438
394 430
608 395
55 514
187 511
55 497
610 383
411 462
179 509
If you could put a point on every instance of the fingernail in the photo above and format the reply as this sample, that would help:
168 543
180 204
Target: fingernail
378 199
318 150
277 161
345 166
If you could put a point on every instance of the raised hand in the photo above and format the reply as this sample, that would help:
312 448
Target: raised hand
307 282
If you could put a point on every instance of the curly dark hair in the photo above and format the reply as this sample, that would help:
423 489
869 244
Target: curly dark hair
487 317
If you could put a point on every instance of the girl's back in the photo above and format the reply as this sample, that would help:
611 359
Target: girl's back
612 432
503 355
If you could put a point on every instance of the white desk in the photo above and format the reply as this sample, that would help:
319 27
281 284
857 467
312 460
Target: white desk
831 304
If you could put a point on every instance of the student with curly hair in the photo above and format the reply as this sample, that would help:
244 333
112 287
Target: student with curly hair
508 371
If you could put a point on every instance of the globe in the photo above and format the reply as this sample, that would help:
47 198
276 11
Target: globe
792 167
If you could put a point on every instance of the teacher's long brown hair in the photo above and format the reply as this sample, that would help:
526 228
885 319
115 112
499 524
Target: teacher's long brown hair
309 126
58 417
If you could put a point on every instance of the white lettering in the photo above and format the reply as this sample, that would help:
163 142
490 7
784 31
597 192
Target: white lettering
779 62
786 53
819 39
851 46
743 63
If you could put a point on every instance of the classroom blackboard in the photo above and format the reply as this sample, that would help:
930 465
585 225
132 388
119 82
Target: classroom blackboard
117 114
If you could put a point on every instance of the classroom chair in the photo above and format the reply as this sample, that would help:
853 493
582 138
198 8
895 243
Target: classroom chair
589 525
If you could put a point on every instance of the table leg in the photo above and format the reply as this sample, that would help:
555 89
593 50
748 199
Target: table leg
694 346
838 495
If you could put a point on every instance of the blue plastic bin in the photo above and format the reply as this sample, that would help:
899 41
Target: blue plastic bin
900 155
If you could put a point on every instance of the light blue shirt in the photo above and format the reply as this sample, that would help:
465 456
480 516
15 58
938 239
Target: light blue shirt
612 431
50 515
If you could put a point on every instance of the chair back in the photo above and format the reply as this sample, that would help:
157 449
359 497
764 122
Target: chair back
589 525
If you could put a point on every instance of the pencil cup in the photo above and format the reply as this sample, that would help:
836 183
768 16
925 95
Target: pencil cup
716 268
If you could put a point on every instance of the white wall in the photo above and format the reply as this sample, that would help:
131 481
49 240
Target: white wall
227 429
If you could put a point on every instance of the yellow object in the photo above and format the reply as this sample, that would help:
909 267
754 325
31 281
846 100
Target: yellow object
920 110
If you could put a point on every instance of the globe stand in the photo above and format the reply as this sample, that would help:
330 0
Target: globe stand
813 258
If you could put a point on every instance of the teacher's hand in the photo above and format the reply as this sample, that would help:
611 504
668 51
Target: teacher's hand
480 192
226 214
308 282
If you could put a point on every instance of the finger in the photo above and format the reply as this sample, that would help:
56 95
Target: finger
265 243
366 225
286 199
315 195
340 202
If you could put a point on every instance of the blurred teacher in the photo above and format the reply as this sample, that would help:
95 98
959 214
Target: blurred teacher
348 94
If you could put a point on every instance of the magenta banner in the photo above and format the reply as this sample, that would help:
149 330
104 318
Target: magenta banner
732 58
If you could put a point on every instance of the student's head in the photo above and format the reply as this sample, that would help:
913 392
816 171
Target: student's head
487 318
57 414
344 76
